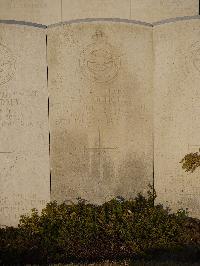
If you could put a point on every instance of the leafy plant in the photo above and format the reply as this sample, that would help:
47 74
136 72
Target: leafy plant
191 162
83 232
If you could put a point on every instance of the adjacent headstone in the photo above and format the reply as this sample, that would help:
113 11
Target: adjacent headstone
101 112
81 9
177 112
24 156
54 11
37 11
156 10
142 10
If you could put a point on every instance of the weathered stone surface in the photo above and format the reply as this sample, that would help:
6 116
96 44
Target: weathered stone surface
80 9
143 10
38 11
155 10
100 84
177 112
24 167
53 11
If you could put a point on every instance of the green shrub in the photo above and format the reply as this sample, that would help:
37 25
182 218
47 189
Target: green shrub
84 232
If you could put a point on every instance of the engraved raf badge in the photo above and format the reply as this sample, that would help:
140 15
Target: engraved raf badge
99 61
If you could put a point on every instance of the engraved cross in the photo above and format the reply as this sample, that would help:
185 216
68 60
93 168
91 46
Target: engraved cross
99 149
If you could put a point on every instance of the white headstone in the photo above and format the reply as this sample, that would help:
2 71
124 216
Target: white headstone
101 116
24 156
177 112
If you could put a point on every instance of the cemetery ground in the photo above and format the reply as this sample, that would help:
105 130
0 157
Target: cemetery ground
119 230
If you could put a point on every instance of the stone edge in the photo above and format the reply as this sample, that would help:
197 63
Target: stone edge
23 23
87 20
